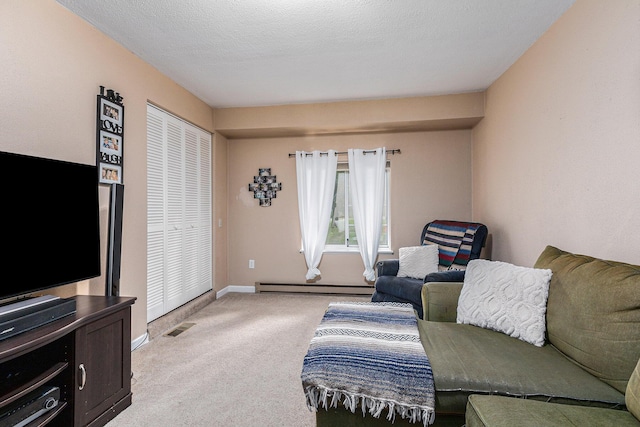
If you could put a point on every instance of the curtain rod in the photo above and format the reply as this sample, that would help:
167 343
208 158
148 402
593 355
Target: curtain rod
394 151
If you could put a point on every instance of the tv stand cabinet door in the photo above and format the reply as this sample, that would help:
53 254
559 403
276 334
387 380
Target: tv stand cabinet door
103 369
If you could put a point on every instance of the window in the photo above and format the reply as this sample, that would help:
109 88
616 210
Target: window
342 233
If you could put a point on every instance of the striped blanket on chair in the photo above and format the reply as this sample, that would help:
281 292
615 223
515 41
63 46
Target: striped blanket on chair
370 355
454 243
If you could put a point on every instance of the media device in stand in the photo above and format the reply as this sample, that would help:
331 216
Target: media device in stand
50 237
30 407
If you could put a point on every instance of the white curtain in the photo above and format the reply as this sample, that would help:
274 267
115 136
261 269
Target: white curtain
316 175
367 187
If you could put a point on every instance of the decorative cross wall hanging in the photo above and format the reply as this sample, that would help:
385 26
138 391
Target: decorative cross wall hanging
264 186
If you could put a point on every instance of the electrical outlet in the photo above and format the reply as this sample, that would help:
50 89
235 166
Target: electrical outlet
252 263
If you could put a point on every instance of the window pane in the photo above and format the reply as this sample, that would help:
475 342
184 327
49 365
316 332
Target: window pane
336 235
342 226
353 240
384 235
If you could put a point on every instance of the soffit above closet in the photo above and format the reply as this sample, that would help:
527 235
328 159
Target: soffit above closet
240 53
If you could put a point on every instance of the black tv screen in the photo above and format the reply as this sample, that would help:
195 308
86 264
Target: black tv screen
49 216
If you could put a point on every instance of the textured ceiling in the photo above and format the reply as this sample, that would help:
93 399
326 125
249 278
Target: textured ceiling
234 53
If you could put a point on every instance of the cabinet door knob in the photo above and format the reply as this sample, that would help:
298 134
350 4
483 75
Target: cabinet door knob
83 376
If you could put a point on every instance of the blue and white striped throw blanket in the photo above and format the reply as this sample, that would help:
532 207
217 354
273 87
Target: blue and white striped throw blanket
370 354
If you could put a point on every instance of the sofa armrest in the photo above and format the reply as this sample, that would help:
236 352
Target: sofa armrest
440 301
388 267
445 276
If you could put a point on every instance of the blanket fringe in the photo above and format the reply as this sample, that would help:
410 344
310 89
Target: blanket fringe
317 397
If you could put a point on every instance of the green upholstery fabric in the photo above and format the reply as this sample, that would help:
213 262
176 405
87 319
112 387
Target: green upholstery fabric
593 313
466 359
440 301
632 395
497 411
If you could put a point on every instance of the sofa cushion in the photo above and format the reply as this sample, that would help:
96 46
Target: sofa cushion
418 261
632 394
466 359
593 313
497 411
506 298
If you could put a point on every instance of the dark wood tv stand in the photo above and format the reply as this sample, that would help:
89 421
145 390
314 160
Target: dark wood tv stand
86 354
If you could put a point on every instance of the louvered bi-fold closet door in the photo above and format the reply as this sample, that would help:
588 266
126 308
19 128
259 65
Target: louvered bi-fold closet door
205 236
197 213
179 232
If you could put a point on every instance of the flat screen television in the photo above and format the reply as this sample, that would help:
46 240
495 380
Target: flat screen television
50 227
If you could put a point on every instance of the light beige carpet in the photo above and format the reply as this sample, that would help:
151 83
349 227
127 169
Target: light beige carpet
239 365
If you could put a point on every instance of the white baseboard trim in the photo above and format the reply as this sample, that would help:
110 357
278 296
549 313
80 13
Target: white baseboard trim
140 341
235 288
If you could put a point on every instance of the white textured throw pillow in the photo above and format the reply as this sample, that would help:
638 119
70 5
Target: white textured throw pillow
506 298
418 261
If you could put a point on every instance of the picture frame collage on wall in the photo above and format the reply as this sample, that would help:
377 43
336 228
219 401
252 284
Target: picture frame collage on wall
110 137
265 187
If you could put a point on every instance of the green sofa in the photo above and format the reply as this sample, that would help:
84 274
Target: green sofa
499 411
593 346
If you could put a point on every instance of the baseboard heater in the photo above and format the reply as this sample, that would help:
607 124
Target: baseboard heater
314 289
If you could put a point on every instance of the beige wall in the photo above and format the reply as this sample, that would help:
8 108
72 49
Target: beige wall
431 179
52 66
555 160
